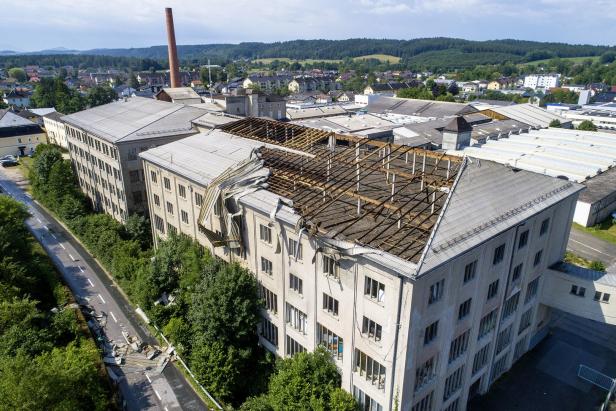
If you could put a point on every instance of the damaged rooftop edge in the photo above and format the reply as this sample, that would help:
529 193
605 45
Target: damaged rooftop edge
368 192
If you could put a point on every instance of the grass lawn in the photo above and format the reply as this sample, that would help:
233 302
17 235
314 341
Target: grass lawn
605 230
25 163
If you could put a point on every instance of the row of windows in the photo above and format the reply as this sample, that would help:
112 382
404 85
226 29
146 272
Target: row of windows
366 403
581 292
370 369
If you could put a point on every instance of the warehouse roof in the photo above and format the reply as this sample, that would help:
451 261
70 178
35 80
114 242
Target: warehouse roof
419 108
136 118
573 154
529 114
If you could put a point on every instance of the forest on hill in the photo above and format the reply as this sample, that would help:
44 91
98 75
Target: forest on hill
433 53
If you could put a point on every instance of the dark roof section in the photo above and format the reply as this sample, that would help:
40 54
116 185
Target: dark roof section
458 125
56 116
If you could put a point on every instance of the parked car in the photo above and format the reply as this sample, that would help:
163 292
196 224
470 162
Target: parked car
9 160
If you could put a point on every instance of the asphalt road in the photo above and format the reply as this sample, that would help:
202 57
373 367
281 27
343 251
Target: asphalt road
591 248
142 386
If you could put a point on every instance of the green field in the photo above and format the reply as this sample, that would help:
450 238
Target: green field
381 57
573 59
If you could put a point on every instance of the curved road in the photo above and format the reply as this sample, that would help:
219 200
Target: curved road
142 386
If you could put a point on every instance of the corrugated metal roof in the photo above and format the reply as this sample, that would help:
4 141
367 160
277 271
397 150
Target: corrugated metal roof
529 114
136 118
10 119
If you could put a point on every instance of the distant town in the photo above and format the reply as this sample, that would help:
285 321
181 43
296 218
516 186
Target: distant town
375 232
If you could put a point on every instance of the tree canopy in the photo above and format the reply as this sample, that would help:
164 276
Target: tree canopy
587 125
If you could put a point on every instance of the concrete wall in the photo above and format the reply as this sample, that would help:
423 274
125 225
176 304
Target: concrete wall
56 132
557 293
11 145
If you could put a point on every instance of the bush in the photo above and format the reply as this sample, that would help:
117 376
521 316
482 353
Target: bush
587 125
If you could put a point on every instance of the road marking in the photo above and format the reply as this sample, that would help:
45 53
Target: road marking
157 395
39 220
62 245
114 318
53 235
81 269
166 409
91 283
101 297
46 228
587 246
72 258
148 377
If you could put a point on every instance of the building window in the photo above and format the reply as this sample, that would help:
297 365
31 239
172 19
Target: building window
517 273
330 341
511 305
265 233
459 346
492 290
465 309
425 404
537 258
487 324
152 176
481 359
171 229
296 318
374 289
330 266
293 347
430 333
545 225
370 369
198 199
330 304
133 176
184 216
579 291
499 254
436 291
499 367
372 329
167 183
182 190
453 406
425 373
602 297
295 249
269 298
266 266
269 331
169 208
469 271
531 290
503 339
453 383
159 224
218 207
525 320
523 240
296 284
366 403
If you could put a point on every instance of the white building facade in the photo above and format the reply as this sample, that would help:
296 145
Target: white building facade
541 81
419 334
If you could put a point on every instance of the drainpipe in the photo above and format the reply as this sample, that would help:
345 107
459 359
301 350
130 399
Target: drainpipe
397 325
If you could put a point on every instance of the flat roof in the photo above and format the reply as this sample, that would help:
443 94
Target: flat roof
415 107
529 114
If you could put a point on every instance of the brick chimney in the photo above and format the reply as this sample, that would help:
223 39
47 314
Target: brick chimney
174 67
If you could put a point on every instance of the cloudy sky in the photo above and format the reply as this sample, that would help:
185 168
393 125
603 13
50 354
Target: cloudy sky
40 24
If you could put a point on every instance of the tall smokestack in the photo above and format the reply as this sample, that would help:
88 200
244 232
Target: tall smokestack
174 66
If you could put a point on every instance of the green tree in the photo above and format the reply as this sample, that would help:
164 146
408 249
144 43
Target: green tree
138 228
55 93
18 74
587 125
555 123
306 381
13 232
100 95
133 82
62 73
607 57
